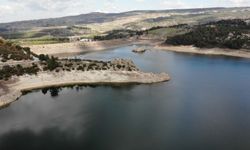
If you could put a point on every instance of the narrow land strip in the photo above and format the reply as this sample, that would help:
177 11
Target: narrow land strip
52 79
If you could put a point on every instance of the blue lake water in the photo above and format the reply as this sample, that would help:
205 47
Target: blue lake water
206 106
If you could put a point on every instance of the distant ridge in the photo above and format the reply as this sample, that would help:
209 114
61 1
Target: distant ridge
94 17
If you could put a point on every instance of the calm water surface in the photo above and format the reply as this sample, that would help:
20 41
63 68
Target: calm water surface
206 106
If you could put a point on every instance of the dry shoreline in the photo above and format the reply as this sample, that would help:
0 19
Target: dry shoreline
17 85
213 51
12 90
64 49
67 49
78 47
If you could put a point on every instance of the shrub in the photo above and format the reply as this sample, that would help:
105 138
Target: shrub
8 71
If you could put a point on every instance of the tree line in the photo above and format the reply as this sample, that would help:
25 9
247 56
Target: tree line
223 34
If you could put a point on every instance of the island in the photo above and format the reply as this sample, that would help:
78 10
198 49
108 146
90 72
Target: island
139 50
21 70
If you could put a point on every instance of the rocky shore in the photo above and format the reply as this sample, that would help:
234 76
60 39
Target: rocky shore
139 50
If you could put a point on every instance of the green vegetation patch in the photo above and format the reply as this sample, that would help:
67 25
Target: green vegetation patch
233 34
118 34
166 32
8 71
43 40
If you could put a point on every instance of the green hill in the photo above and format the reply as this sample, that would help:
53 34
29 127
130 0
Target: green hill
233 34
56 30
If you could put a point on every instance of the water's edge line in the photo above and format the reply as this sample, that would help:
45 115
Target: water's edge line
16 94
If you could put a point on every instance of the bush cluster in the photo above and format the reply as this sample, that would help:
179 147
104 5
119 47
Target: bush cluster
8 71
50 62
10 51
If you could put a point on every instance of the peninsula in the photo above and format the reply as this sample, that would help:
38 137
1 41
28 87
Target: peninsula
22 70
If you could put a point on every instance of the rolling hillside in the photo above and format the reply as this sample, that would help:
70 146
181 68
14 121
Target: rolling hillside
94 24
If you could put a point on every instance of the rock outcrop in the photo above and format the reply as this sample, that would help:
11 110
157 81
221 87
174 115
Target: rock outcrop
139 50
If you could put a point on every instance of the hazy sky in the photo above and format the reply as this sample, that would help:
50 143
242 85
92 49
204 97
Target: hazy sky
15 10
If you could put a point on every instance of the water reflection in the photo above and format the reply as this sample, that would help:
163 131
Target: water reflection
55 91
205 106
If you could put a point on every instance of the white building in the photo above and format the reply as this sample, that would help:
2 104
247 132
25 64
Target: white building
86 40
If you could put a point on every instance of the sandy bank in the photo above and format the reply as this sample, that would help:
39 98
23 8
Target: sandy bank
51 79
78 47
206 51
65 49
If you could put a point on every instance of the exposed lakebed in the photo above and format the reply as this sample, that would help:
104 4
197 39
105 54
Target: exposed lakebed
206 105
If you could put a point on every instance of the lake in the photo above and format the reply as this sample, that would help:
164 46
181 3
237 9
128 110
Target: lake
205 106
